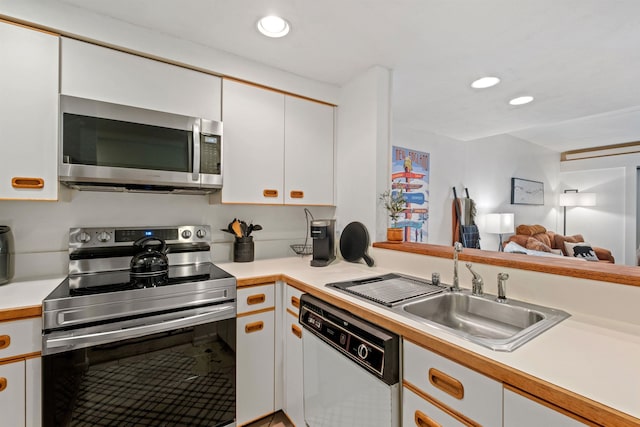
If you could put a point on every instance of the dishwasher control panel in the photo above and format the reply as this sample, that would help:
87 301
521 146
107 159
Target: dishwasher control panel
367 344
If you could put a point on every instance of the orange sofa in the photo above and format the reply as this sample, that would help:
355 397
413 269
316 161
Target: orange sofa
538 238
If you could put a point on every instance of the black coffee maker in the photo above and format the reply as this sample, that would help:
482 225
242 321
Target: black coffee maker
324 249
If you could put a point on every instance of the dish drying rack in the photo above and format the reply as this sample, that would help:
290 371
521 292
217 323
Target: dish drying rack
304 249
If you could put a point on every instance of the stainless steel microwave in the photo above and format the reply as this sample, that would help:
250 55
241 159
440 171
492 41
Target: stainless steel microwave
111 147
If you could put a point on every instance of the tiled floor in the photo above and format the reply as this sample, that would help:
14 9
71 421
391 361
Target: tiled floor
276 420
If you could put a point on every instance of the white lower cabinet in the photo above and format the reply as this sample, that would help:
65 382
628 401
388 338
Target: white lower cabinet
520 411
293 386
255 364
470 394
12 394
418 412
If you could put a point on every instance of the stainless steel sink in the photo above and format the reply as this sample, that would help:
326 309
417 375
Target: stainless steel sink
482 320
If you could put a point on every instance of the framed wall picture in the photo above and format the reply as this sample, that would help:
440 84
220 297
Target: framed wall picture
526 192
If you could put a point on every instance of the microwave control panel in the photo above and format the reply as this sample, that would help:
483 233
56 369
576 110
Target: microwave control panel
210 154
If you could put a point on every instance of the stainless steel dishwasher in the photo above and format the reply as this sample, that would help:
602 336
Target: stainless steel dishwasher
351 369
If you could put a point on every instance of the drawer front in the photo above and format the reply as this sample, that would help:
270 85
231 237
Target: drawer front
20 337
417 412
461 389
12 394
293 299
256 298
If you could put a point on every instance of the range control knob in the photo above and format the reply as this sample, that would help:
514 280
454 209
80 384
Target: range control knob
83 237
363 351
103 236
201 233
186 234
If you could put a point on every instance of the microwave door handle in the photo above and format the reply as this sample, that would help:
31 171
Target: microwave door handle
196 151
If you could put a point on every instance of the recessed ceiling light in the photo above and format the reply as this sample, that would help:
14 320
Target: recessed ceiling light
273 26
485 82
521 100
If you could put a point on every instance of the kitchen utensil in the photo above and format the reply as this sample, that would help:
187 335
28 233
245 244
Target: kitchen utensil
149 266
244 227
354 243
6 254
237 228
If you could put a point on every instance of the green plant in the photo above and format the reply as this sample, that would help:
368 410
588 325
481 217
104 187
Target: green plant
394 203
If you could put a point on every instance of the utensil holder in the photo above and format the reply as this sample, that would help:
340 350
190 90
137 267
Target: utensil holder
243 249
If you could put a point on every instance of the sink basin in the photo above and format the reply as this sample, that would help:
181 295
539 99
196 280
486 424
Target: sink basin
484 321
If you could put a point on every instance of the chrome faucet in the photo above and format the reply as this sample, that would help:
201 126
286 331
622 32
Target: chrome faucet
502 287
476 283
457 248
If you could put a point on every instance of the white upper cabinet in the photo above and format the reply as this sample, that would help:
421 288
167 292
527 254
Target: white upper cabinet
28 113
309 136
253 150
278 149
95 72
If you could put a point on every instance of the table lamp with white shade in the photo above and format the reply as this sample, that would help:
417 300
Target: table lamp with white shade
499 223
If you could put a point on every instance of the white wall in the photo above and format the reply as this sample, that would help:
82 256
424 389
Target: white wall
41 229
485 167
362 154
618 195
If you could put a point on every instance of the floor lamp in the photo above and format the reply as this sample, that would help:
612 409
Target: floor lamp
499 223
572 198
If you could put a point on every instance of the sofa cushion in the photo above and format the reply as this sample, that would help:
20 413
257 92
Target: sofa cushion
534 244
530 230
559 241
581 250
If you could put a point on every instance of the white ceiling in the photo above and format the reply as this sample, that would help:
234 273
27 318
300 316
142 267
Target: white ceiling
580 59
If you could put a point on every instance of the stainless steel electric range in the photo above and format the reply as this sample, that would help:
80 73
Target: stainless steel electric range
130 347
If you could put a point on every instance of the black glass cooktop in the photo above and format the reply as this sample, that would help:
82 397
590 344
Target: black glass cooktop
117 281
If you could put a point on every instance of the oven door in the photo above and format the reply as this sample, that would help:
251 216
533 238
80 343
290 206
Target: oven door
183 376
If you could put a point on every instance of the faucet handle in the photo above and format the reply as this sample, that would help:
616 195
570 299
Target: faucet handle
457 246
477 282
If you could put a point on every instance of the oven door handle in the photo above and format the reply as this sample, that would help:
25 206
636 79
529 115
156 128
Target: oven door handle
68 343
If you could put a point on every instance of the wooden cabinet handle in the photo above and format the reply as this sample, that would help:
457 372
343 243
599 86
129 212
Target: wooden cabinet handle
297 194
295 301
256 299
448 384
270 193
253 327
5 340
3 383
422 420
296 331
22 182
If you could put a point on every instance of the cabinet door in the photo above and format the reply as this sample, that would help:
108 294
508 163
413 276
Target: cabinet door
420 413
293 386
28 113
253 145
255 366
12 406
309 144
95 72
520 411
463 390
